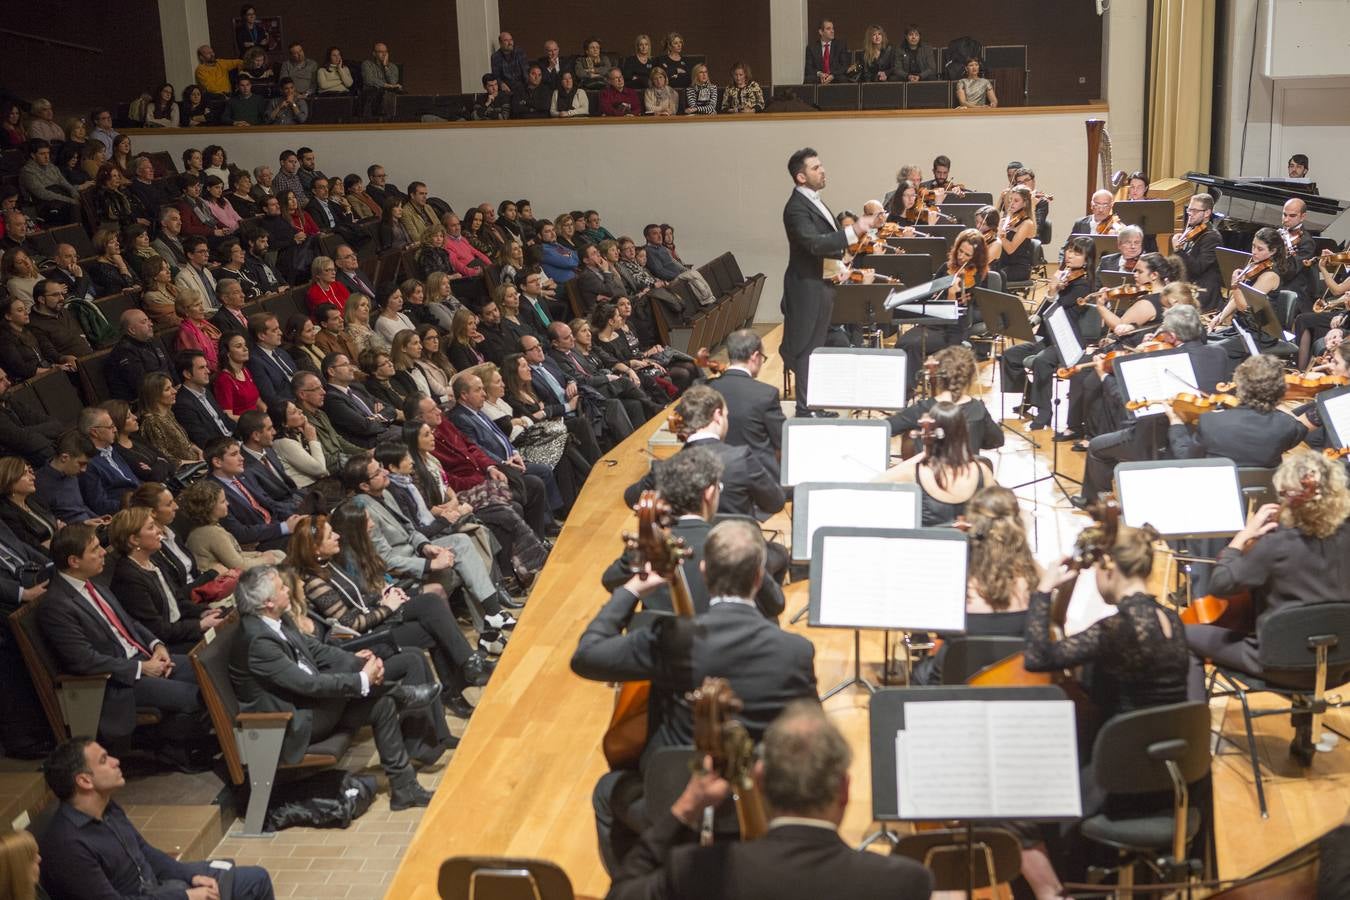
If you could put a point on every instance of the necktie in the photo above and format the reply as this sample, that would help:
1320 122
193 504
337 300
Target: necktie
210 290
825 59
210 408
328 214
365 288
281 363
541 312
257 507
111 616
550 382
359 402
576 362
502 443
116 466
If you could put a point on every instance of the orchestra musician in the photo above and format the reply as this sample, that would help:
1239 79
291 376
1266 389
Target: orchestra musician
986 223
967 263
1100 219
1263 273
1314 328
906 205
1015 232
1071 284
949 474
1195 244
1289 553
1130 244
768 668
1027 178
1253 433
1136 188
942 170
1300 279
1337 363
954 375
1012 169
808 296
906 175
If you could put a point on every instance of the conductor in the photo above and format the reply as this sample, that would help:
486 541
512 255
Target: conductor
808 294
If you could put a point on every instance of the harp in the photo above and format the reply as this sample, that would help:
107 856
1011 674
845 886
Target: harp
1099 160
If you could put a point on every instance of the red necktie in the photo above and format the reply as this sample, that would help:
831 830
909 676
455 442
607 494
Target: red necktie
111 616
266 516
825 60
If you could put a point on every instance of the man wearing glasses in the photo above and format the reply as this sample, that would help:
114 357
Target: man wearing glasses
51 320
1202 264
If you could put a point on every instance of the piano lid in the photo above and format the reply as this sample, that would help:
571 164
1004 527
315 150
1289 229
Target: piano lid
1258 201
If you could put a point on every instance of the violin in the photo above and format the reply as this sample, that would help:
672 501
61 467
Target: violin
1300 386
951 187
967 279
1190 406
1163 340
859 276
870 245
1038 196
654 544
1107 226
1254 270
1012 223
1193 232
1111 295
1336 452
718 735
1329 260
704 361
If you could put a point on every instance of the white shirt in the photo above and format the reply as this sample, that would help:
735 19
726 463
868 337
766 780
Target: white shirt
814 197
130 651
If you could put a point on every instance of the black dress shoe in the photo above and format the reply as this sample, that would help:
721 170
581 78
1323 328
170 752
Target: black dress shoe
477 669
457 706
409 796
415 696
1066 435
508 602
1079 501
552 529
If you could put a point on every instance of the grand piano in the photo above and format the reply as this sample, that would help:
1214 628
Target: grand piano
1243 205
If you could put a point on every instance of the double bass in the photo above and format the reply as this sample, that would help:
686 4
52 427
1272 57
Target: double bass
718 735
653 545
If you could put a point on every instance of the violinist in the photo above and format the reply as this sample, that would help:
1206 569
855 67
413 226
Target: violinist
1262 273
1015 232
1337 363
1289 553
967 263
1074 282
907 205
1195 244
947 472
1300 279
1012 169
1100 219
1253 433
907 175
1315 326
1130 244
954 375
986 223
1041 208
1136 188
942 170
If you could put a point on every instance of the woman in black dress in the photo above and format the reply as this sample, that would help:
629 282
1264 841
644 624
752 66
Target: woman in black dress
20 509
954 375
144 460
615 353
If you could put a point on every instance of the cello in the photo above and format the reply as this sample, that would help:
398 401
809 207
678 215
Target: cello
719 735
653 545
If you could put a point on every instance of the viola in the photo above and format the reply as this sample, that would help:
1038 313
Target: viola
1163 340
1191 406
718 735
1336 452
1193 232
1329 260
859 276
654 544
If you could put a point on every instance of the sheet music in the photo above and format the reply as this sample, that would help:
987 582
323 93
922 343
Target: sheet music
861 379
1182 500
902 584
858 509
937 309
826 451
1146 376
1336 416
1062 333
988 759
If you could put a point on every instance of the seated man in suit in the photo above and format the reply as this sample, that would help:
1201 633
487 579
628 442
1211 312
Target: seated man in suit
468 417
278 668
107 479
136 353
691 483
768 668
249 520
350 276
58 482
803 778
356 415
93 850
1130 244
271 366
230 318
619 403
24 430
1254 433
263 471
195 406
91 634
754 408
746 486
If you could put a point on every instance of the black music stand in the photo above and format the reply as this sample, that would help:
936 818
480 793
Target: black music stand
863 305
1110 279
1004 316
1058 477
1229 261
1104 244
1153 217
1262 312
936 246
910 268
947 232
964 213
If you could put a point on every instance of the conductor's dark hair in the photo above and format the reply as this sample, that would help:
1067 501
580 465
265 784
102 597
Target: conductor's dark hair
797 161
682 478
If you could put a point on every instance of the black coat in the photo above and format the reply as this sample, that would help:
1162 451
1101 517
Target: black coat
746 485
26 432
1202 265
145 601
1246 436
32 527
754 415
196 421
349 419
840 59
808 299
131 360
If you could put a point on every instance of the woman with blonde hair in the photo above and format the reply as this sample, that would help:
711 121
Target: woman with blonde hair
195 331
660 99
673 61
637 69
357 316
701 97
20 866
878 56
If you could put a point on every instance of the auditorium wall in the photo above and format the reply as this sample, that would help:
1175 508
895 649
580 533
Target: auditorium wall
720 182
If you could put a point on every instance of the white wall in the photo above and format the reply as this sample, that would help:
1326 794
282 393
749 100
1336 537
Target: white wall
184 28
721 182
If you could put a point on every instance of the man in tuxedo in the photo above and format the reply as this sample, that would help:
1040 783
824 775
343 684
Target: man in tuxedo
803 778
271 366
230 318
277 668
249 519
746 486
1130 241
349 273
356 415
263 471
691 483
827 60
808 296
136 354
768 668
91 634
754 408
24 430
107 479
468 416
1202 264
195 407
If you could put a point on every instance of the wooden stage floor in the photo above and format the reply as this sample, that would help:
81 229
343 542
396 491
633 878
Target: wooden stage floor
520 782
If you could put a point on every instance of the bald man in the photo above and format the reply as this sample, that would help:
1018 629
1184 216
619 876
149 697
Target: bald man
1302 280
136 354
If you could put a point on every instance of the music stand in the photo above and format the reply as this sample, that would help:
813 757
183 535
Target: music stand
963 213
849 591
1111 279
936 247
1334 408
1064 337
1262 312
1230 261
861 304
1004 316
856 378
858 454
1104 244
947 232
1182 498
910 268
886 720
1152 216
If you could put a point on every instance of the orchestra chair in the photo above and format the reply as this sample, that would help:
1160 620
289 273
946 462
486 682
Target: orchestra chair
1037 262
1301 653
1163 748
502 878
665 778
967 654
944 853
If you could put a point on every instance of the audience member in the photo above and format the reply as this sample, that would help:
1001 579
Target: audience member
660 99
915 60
673 62
569 100
136 353
58 482
381 79
827 59
743 95
249 521
300 70
271 366
142 459
213 74
509 65
233 386
160 414
333 77
550 64
356 415
535 100
617 98
168 243
701 97
24 429
57 202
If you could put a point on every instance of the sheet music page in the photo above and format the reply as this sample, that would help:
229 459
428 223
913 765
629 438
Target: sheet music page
1181 500
1086 606
1149 377
942 766
1033 757
858 380
858 509
901 584
830 452
1061 330
935 310
1336 415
